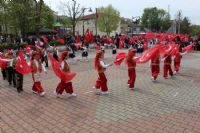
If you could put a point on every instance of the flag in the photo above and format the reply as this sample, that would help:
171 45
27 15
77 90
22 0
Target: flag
119 58
28 48
188 48
61 41
21 64
147 55
96 45
175 50
121 44
58 72
167 49
2 63
78 45
45 39
150 35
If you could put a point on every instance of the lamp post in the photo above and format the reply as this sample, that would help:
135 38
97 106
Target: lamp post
136 21
38 7
84 9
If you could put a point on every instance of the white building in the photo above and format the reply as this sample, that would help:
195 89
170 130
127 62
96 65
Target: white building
89 23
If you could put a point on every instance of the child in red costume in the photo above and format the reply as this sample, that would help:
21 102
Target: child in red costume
100 66
67 86
155 66
37 68
167 66
131 68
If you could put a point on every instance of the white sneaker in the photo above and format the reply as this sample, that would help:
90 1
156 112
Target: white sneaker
94 87
42 94
131 88
72 95
152 78
105 93
56 94
175 72
35 92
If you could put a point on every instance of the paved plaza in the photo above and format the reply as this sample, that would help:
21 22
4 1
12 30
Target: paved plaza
166 106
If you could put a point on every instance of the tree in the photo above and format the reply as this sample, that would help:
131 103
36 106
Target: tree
109 19
195 30
27 15
156 19
185 25
38 11
3 14
73 11
47 17
179 17
20 13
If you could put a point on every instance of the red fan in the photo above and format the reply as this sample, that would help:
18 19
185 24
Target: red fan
147 55
119 58
59 73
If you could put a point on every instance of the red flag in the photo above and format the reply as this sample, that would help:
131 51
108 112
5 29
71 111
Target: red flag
150 35
188 48
96 45
119 58
78 45
2 63
121 44
167 49
61 41
28 48
56 68
91 36
78 39
45 39
147 55
21 64
175 50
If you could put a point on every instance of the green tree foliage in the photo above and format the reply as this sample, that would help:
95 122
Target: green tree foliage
195 30
156 19
109 19
20 15
185 25
47 17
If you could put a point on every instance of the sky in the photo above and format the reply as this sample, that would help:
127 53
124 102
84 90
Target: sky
132 8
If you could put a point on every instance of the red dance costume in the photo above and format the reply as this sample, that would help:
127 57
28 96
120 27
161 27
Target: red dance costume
167 66
37 68
131 68
155 66
177 61
67 86
101 82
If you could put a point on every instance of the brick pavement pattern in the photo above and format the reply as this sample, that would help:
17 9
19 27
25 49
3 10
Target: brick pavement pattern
166 106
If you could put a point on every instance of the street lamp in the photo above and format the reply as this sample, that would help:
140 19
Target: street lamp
136 21
37 17
83 9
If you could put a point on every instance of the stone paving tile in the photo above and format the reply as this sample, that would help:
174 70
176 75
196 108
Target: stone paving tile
170 106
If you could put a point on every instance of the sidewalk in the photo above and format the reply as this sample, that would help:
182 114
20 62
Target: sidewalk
167 106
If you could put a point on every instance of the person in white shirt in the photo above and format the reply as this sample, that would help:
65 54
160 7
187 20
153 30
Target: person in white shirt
67 86
101 67
85 53
37 68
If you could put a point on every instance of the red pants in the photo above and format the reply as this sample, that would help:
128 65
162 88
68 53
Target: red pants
64 86
166 69
132 77
176 66
37 87
102 82
155 69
